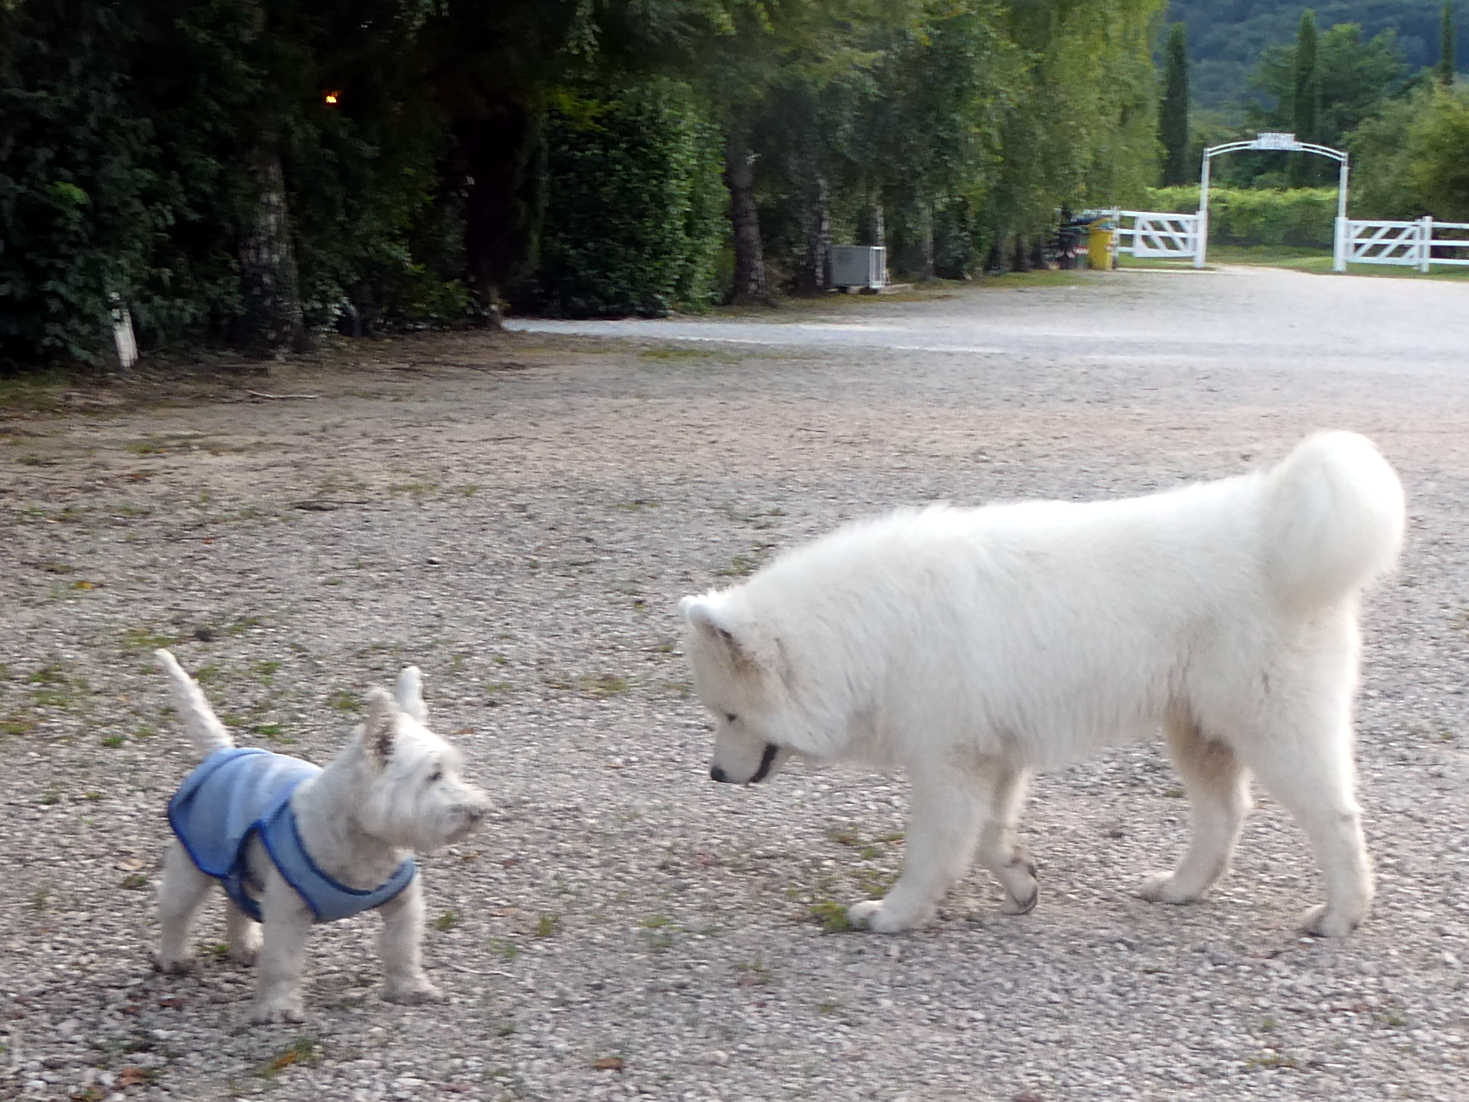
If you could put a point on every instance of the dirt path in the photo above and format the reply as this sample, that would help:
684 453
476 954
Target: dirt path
518 516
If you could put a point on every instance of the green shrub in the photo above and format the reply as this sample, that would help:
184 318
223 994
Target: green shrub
634 205
1244 216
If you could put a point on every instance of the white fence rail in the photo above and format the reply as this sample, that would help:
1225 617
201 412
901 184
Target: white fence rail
1157 234
1410 244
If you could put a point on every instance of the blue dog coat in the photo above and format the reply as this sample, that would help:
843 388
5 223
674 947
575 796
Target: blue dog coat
238 791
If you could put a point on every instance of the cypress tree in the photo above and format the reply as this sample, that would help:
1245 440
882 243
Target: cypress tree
1173 111
1306 100
1446 47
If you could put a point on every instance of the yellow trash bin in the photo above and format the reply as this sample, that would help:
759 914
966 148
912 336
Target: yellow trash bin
1099 244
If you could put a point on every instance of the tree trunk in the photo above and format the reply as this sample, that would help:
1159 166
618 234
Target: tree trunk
925 241
503 159
749 259
272 324
816 274
1022 255
873 230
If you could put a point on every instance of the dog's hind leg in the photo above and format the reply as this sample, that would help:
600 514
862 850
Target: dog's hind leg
244 935
1218 788
179 895
1309 770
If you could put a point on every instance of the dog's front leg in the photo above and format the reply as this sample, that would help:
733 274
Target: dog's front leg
943 826
400 946
287 923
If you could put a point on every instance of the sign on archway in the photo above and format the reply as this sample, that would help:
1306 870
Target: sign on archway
1279 141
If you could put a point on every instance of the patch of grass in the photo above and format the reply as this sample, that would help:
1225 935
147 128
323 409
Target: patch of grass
266 671
547 925
242 624
504 948
446 921
271 731
145 640
683 352
112 742
601 685
17 724
134 881
301 1051
49 674
341 700
505 1028
741 566
208 673
831 915
754 974
40 899
144 730
50 799
34 392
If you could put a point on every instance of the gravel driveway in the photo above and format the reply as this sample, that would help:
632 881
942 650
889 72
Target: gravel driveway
518 516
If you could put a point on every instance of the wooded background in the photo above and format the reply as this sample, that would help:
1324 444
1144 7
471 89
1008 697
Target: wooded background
254 172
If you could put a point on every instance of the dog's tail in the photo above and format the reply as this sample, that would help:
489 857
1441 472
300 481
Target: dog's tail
205 730
1333 521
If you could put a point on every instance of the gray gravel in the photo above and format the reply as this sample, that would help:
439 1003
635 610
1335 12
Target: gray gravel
518 515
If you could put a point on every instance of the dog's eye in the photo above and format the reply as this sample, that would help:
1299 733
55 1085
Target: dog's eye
437 774
730 717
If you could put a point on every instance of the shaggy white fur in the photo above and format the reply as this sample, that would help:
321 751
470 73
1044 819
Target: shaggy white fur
972 646
395 788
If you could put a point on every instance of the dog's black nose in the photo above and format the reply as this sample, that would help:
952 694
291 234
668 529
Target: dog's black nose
717 774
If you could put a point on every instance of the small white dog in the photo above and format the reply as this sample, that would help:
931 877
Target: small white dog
971 646
293 844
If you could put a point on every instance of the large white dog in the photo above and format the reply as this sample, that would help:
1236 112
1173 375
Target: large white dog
971 646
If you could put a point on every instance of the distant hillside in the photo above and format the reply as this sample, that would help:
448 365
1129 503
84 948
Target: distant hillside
1225 37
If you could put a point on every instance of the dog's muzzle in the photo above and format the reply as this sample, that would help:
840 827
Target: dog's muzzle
718 774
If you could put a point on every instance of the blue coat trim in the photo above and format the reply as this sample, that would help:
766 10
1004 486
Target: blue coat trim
238 791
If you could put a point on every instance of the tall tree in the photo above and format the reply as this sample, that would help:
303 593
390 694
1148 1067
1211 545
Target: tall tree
1446 47
1305 97
1173 112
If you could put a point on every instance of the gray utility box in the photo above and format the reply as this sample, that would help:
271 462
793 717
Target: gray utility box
859 266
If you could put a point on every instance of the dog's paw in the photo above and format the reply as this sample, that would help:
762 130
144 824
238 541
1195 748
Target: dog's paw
872 915
1321 921
276 1010
171 965
1021 887
1163 887
413 993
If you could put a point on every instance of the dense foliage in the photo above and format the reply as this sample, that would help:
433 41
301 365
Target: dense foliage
633 224
255 172
1257 216
1226 39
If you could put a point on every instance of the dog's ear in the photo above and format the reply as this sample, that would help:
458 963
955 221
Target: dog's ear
712 619
409 694
378 730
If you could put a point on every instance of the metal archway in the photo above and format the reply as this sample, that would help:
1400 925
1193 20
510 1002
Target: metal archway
1276 140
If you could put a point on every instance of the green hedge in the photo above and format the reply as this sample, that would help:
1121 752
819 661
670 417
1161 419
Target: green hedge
634 216
1240 216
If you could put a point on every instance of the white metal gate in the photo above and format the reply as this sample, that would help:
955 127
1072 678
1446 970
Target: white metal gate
1157 234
